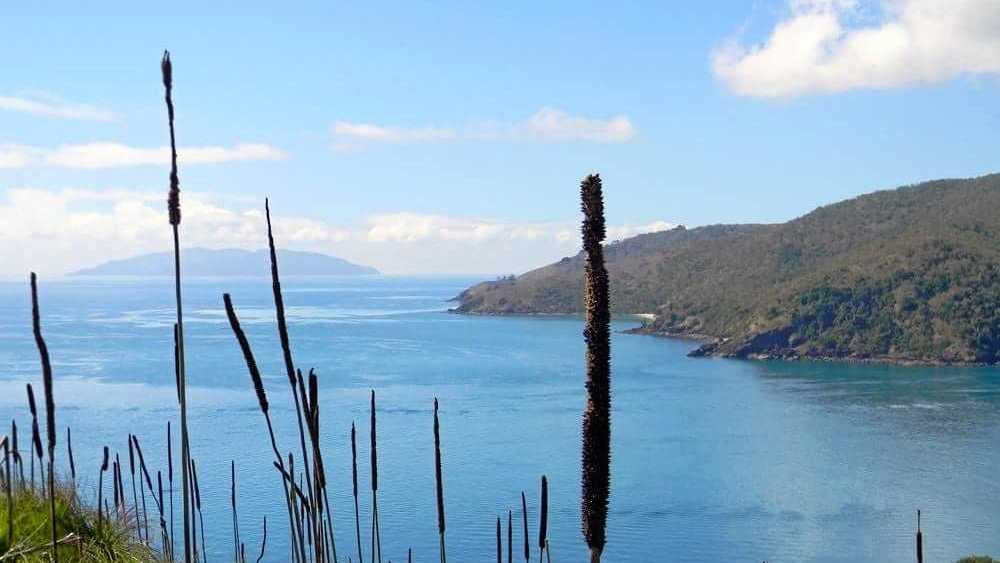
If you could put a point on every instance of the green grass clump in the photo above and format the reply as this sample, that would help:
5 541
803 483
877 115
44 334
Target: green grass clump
978 559
80 538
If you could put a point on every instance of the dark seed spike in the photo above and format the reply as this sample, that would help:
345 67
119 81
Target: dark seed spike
524 518
31 401
510 536
438 479
241 338
596 454
43 352
69 448
543 516
174 196
499 543
374 445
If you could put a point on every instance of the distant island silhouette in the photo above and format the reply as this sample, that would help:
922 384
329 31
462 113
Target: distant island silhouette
228 262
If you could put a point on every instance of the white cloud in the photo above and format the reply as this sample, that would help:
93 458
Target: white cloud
555 125
377 133
109 155
49 106
56 231
826 46
548 125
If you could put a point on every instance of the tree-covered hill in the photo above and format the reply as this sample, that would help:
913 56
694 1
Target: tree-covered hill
911 274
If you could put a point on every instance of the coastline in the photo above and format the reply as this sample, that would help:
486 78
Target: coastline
709 344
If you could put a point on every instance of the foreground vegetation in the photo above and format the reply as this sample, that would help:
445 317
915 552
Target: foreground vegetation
82 537
911 274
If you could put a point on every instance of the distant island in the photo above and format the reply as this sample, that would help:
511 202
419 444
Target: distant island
229 262
910 275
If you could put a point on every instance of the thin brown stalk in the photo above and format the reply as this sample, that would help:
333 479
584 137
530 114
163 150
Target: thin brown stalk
50 407
160 506
72 463
438 480
258 385
197 504
263 542
9 490
286 347
144 473
376 535
232 503
100 487
170 484
524 520
354 480
135 494
174 212
596 456
920 541
15 451
36 439
510 536
543 518
499 543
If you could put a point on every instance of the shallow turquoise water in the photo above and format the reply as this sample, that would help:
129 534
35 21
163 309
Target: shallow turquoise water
712 459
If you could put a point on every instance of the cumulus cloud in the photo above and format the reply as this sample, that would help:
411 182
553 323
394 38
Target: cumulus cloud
110 155
56 231
550 125
50 106
826 46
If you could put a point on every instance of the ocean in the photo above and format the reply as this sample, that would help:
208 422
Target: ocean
713 459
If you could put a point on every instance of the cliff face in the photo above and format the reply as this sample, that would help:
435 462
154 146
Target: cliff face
903 275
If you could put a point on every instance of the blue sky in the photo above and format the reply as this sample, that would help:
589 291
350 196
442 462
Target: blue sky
450 137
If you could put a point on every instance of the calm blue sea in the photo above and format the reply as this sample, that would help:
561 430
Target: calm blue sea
713 460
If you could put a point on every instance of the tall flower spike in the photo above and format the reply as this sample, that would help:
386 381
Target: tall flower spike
596 455
174 196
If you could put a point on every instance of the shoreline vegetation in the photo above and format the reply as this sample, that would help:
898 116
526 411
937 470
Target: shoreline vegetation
45 519
908 276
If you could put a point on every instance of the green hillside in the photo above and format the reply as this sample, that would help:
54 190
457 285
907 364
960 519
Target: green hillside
911 274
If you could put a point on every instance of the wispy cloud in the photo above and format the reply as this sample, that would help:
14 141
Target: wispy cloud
826 46
63 230
110 155
380 134
547 125
45 105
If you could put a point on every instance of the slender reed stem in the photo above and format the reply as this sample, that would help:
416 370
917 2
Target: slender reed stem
170 478
201 515
438 480
376 533
286 348
354 480
72 463
920 541
174 211
258 384
596 458
524 519
135 494
232 502
50 408
510 536
543 516
499 543
100 488
9 490
263 542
